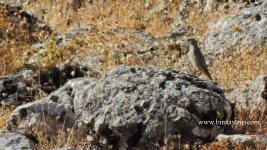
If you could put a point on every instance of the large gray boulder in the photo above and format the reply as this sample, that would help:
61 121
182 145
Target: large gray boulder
129 105
57 104
132 107
250 96
12 141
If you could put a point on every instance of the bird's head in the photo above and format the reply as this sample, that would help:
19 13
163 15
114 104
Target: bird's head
192 41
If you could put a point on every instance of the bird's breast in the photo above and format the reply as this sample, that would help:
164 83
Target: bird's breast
192 57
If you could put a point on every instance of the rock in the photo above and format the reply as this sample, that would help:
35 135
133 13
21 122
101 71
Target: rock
13 2
24 86
246 29
133 101
58 104
147 4
251 96
145 49
179 30
151 49
16 15
52 78
129 107
208 5
254 141
199 6
51 49
161 8
35 113
11 141
182 9
14 88
55 111
241 32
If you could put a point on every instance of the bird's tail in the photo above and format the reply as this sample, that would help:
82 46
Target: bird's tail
206 72
210 77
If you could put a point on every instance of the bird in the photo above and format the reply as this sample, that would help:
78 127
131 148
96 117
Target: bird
196 57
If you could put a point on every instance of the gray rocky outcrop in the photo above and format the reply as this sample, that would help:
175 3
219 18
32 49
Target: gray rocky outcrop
40 52
251 96
146 49
252 141
13 89
238 32
12 141
131 107
13 2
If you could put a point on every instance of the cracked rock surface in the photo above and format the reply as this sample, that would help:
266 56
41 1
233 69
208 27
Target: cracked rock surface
131 107
11 141
254 141
251 23
251 96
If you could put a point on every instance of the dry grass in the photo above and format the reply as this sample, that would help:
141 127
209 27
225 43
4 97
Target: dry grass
160 23
53 129
112 14
5 111
54 54
14 38
116 49
200 22
52 12
259 128
240 68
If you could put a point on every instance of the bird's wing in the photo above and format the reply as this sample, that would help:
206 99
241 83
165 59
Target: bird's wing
202 62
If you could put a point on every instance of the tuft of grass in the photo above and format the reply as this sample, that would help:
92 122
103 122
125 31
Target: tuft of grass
199 22
54 128
236 28
258 124
111 14
5 111
14 38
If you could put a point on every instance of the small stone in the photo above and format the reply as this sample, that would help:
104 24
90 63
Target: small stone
4 95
